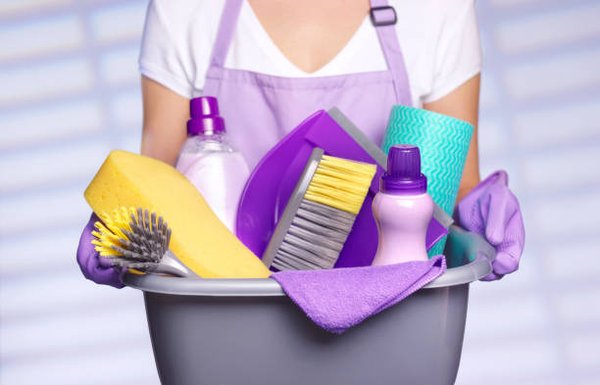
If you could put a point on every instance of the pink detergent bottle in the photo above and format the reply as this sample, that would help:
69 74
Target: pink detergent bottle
402 208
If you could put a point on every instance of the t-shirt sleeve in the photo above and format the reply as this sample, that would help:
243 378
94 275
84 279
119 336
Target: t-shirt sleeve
163 58
458 53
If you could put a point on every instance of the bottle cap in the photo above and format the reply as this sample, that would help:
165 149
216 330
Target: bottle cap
403 175
204 117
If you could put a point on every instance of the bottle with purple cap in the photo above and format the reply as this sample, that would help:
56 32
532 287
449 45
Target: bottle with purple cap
402 208
209 161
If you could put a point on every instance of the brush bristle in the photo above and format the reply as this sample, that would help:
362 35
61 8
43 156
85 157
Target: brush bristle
341 183
130 238
325 216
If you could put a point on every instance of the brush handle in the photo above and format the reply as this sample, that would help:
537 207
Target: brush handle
170 265
292 207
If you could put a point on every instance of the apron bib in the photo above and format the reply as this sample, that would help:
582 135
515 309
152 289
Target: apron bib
260 109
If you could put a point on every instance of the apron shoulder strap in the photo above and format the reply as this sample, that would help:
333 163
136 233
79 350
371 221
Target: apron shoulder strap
383 17
225 32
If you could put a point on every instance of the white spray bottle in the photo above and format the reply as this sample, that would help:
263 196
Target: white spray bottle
207 159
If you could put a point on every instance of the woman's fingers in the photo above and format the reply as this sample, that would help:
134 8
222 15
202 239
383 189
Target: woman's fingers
505 263
495 226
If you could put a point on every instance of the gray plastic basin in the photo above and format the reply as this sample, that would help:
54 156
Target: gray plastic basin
248 332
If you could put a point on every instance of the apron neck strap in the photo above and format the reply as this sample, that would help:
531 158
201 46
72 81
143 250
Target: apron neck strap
227 26
383 17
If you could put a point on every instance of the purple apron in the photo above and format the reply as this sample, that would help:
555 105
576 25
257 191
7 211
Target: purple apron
261 109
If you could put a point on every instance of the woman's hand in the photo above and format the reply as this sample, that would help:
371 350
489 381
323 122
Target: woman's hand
91 264
165 117
493 211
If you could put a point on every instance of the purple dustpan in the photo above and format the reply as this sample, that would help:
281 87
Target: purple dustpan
271 184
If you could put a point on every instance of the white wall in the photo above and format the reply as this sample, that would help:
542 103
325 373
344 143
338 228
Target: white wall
69 92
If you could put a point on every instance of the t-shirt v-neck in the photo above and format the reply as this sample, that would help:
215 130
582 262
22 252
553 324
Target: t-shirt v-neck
362 53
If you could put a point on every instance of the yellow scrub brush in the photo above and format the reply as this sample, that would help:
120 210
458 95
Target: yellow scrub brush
137 240
320 213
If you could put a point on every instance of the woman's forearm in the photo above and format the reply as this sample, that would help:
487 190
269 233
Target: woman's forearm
463 103
165 116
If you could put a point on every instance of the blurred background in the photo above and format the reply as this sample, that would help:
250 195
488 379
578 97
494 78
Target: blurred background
69 92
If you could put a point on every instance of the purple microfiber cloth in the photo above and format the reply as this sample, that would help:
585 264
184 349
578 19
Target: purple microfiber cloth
337 299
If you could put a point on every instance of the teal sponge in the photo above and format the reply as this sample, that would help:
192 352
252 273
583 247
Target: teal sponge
444 144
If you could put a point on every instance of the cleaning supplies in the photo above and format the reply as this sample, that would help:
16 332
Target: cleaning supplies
272 182
139 240
444 144
210 163
402 208
199 239
320 214
440 223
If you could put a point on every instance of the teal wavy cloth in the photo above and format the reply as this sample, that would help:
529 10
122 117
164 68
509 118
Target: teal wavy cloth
444 144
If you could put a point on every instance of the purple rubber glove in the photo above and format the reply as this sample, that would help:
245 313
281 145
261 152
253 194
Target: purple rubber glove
94 267
493 211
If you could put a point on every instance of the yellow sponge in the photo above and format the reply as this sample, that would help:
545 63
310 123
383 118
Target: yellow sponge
199 239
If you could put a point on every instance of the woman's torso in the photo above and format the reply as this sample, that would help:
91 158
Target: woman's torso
439 41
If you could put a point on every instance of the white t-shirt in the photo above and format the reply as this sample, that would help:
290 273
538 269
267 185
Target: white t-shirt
439 40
